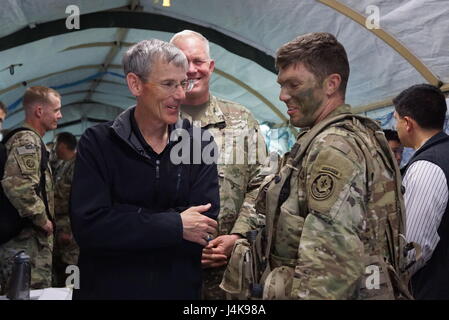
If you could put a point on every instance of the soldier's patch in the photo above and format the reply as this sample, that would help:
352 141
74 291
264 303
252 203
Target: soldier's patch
322 186
331 170
330 176
30 163
27 149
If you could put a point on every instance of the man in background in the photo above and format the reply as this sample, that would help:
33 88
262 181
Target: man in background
420 114
238 181
395 144
30 188
66 250
3 112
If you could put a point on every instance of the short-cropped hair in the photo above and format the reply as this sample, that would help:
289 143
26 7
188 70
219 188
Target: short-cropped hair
188 34
321 54
423 103
68 139
3 107
38 95
140 58
391 135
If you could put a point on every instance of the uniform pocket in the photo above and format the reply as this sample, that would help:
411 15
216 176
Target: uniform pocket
288 233
260 203
278 284
238 275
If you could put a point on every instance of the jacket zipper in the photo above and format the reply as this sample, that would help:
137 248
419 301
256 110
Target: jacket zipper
178 183
157 169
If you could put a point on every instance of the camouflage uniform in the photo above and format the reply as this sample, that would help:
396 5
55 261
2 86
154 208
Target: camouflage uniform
20 181
239 182
54 162
334 219
64 253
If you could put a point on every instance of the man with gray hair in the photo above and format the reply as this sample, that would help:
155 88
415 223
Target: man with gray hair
140 219
227 121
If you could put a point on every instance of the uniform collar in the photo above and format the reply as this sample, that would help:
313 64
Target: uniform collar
29 126
211 117
344 108
341 109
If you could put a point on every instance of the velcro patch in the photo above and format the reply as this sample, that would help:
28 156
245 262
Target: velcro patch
30 163
322 186
330 170
26 149
331 175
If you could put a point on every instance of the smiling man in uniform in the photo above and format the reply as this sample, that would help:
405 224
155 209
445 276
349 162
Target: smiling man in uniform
326 208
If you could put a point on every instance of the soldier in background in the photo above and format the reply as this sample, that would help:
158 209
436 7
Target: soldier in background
335 206
53 159
66 250
21 182
3 112
395 144
226 121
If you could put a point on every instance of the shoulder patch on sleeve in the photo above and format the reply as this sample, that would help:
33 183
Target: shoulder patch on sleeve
322 186
28 163
330 177
27 156
26 149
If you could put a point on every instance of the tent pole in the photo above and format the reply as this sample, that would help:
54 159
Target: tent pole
388 39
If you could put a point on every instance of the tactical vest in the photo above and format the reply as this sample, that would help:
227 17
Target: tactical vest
271 271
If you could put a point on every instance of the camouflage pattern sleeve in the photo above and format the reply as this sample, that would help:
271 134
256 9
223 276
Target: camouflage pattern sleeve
22 175
330 255
247 218
63 184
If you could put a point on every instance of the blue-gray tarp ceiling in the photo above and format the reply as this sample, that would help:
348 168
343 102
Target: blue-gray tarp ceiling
408 45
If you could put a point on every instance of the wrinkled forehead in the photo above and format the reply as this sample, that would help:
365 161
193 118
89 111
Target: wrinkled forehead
163 70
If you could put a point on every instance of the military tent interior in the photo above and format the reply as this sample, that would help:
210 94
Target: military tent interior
391 45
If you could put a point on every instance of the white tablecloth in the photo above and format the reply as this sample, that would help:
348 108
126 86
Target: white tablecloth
49 294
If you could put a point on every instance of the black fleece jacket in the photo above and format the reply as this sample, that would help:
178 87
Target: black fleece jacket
125 212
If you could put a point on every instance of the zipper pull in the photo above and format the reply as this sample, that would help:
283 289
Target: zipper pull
157 169
178 182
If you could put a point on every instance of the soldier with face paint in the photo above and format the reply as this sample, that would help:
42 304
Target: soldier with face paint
326 209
